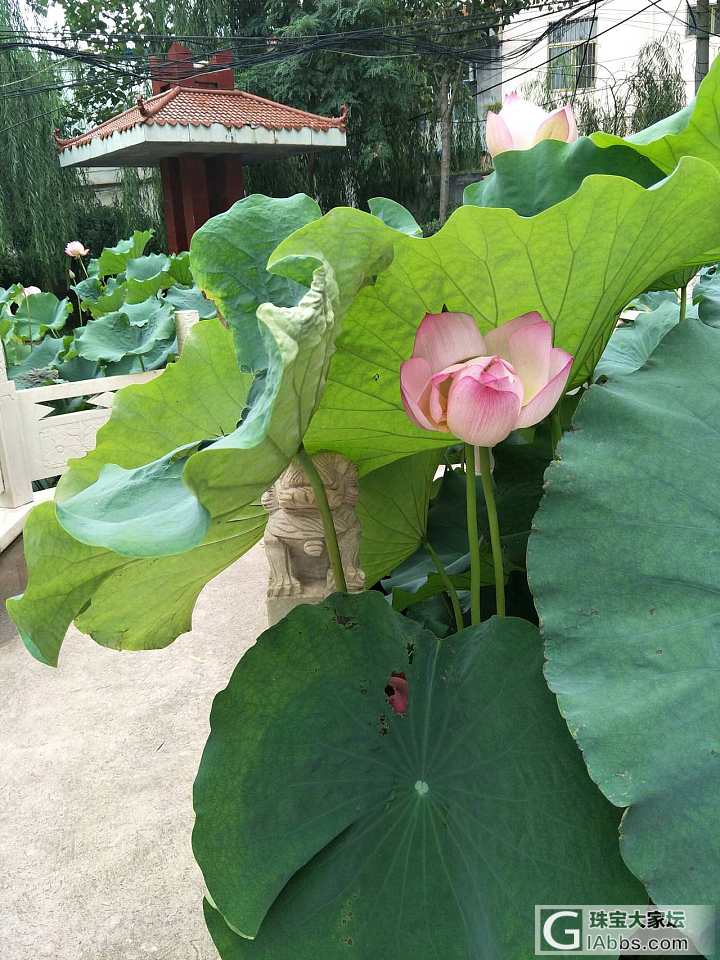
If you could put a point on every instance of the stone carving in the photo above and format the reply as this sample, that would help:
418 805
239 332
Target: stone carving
294 540
60 440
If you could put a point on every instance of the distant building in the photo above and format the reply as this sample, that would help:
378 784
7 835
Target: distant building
597 50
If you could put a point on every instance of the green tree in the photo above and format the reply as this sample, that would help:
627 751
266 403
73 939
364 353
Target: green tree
41 205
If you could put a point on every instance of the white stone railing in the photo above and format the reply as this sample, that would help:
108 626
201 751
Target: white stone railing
35 445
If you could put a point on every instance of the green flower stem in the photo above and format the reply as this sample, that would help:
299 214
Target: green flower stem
487 484
80 313
683 302
555 428
449 585
321 501
473 538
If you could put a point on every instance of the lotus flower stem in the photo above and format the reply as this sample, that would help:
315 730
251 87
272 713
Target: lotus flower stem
321 502
449 585
473 538
487 484
683 302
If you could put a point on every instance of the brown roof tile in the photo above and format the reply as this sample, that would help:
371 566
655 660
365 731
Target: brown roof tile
187 106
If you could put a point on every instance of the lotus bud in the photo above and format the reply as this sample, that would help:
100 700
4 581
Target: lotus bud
521 124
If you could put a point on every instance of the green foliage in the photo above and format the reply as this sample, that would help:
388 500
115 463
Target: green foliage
366 785
139 604
578 262
129 302
529 181
623 568
116 510
327 821
394 215
393 512
229 256
634 342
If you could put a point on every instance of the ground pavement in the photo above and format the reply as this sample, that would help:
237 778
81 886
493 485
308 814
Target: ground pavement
97 760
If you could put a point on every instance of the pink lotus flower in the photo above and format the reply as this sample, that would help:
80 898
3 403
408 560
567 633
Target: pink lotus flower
521 124
482 387
31 291
76 249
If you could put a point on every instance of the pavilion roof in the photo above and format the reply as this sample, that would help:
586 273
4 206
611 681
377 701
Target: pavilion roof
183 106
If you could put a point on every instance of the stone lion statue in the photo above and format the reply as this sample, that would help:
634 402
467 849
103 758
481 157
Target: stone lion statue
294 537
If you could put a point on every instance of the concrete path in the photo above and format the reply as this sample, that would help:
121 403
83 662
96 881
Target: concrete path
97 760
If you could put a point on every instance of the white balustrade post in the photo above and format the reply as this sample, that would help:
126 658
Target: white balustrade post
185 320
15 480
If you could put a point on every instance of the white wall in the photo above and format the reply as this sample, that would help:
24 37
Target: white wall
616 49
105 182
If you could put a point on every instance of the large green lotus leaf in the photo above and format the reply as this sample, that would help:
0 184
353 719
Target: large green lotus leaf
325 821
395 215
88 290
144 276
528 181
624 566
634 342
229 256
159 355
147 311
578 263
126 603
706 294
111 299
115 259
41 312
114 335
191 298
169 503
180 268
693 131
45 354
235 467
393 512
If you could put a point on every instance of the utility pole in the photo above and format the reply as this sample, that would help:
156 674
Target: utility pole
702 41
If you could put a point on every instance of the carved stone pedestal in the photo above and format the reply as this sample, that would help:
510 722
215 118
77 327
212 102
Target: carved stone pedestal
294 540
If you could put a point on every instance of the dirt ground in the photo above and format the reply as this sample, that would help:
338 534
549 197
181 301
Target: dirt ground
97 761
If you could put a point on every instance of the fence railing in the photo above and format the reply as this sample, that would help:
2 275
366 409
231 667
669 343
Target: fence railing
36 443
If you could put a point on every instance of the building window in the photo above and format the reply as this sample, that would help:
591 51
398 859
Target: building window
691 19
571 52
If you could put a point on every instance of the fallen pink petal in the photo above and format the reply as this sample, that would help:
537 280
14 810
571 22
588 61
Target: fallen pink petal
398 693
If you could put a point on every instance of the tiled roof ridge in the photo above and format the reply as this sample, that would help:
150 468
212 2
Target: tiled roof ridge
144 111
154 104
338 121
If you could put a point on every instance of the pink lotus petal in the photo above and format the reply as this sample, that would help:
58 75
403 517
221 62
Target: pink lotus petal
398 693
558 125
522 118
415 392
545 399
530 347
446 338
497 136
483 412
497 341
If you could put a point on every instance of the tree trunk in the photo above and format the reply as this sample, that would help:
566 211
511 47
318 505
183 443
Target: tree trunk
449 80
445 112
